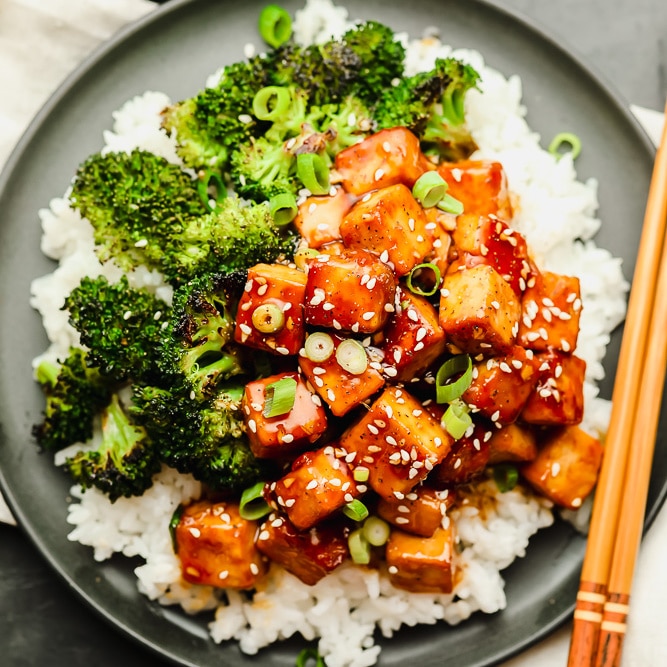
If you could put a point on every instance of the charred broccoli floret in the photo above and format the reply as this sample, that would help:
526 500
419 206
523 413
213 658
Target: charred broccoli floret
120 326
75 392
206 439
125 461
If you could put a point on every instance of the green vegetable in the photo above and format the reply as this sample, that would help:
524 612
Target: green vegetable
308 655
415 272
271 103
319 346
449 204
506 477
252 505
460 365
360 549
275 25
429 189
562 140
351 356
355 510
456 419
313 172
376 531
283 208
279 397
211 189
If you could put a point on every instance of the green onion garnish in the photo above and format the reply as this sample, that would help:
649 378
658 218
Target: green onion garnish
447 392
450 205
319 346
360 549
313 172
361 474
306 656
271 103
506 477
415 289
376 531
283 208
352 357
173 524
268 318
562 140
429 189
279 397
211 188
275 25
456 419
355 510
252 505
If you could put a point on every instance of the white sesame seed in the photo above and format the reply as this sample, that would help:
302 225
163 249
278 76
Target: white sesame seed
331 395
368 315
252 425
384 256
288 437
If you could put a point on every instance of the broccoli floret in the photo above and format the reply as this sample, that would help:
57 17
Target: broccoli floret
75 393
198 352
120 326
206 439
125 461
134 201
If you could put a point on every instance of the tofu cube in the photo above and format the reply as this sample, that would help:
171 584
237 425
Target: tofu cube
270 310
216 546
353 291
479 311
391 223
466 459
413 337
318 484
558 397
285 434
319 217
488 240
480 185
422 564
501 385
398 441
421 512
385 158
440 226
307 554
339 388
550 311
566 467
512 444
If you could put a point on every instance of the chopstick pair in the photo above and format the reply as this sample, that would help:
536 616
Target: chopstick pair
620 500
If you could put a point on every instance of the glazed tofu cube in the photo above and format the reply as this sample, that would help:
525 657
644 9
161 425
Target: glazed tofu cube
339 388
421 512
319 217
466 459
216 546
285 434
558 397
479 311
391 223
308 555
386 158
501 385
566 467
398 441
488 240
512 443
421 564
480 185
413 337
270 311
353 291
318 484
440 226
550 311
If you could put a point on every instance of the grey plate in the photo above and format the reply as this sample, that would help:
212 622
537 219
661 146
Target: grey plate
173 50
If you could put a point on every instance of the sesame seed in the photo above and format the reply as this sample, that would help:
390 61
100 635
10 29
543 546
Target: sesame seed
348 497
419 346
412 314
336 324
195 532
264 535
374 449
223 575
290 502
373 429
252 425
335 482
390 371
417 413
384 256
391 440
254 569
379 173
328 306
288 437
318 381
421 333
368 315
316 400
331 395
282 350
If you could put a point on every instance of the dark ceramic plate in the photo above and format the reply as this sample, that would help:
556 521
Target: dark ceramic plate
173 50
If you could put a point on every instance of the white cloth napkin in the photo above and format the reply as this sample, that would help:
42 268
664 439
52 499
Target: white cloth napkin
41 42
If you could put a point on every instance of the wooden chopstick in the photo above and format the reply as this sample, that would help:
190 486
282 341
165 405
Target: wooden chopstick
632 365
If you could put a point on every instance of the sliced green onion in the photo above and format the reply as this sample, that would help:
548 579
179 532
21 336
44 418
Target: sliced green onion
356 510
303 254
506 477
360 549
415 289
271 103
306 656
562 140
207 179
447 392
279 397
429 189
268 318
275 25
456 419
376 531
352 357
252 505
173 524
283 208
361 474
319 346
313 172
449 204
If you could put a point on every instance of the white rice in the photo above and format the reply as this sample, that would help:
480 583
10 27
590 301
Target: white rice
555 212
